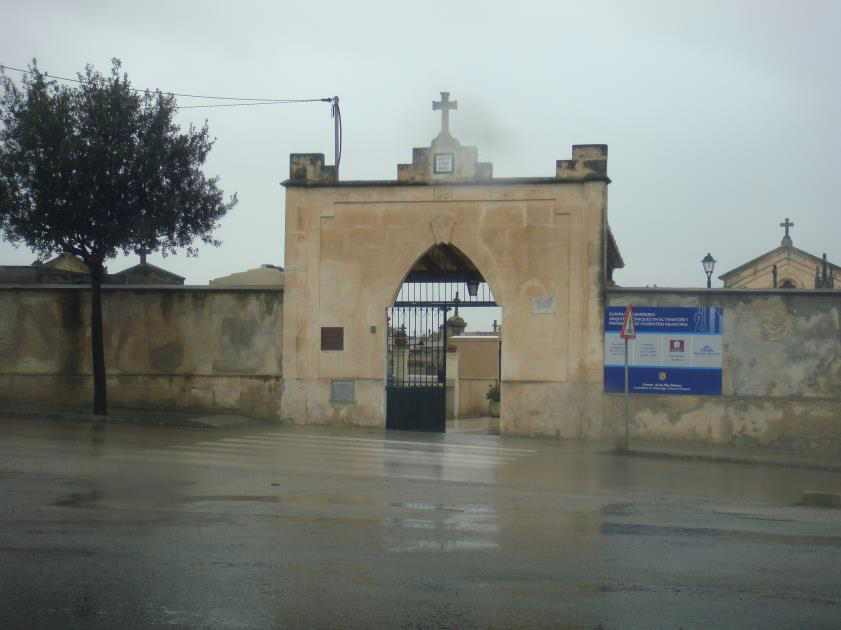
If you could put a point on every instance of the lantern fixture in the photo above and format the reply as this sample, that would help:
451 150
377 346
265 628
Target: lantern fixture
709 264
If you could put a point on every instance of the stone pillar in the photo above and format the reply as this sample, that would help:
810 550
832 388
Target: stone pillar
452 385
400 369
455 326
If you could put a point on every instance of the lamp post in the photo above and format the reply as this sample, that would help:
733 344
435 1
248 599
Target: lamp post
472 288
709 264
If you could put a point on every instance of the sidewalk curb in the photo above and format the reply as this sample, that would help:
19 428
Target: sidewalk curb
154 419
724 459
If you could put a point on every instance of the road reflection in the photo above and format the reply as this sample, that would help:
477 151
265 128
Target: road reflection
440 528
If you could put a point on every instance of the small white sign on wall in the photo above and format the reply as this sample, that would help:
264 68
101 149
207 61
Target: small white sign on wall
543 305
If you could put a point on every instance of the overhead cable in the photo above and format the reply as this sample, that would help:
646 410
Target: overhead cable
255 101
334 102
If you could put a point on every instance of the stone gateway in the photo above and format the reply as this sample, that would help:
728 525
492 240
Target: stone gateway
350 245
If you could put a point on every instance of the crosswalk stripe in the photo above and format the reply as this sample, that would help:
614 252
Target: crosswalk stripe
373 451
416 444
378 446
233 461
340 456
317 454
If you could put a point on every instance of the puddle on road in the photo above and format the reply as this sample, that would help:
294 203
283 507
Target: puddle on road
446 528
440 507
297 499
442 546
81 499
627 529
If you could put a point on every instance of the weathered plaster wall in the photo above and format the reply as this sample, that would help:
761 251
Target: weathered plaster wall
174 348
478 368
472 400
781 373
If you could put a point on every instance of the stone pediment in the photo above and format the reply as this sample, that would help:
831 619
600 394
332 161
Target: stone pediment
793 264
445 158
67 262
265 275
446 161
445 152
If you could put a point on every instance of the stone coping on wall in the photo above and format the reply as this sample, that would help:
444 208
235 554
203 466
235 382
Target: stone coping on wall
721 291
196 288
496 181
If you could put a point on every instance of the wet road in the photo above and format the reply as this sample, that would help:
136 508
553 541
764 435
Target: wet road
264 527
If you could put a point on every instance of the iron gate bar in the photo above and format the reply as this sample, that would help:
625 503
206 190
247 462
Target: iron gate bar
416 381
440 304
443 293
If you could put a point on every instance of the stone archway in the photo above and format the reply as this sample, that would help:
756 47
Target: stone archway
542 244
422 385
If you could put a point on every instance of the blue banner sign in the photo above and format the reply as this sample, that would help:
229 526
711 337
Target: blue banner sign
677 351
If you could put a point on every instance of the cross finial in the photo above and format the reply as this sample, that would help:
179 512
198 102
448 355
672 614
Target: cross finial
445 105
786 239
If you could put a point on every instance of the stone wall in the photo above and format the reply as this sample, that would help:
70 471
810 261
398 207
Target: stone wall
196 348
219 350
781 373
478 369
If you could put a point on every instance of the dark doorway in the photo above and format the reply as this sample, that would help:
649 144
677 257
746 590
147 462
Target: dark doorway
421 323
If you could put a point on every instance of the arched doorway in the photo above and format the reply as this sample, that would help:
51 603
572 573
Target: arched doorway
421 324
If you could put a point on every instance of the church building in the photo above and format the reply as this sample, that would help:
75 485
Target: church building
784 267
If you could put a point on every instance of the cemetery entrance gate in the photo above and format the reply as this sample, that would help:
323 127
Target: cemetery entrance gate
420 326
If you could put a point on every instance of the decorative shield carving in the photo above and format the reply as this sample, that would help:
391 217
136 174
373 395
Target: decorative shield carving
442 227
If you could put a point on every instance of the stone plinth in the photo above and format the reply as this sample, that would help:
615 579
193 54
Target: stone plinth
452 385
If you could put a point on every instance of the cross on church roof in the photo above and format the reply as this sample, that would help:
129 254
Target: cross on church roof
445 105
786 239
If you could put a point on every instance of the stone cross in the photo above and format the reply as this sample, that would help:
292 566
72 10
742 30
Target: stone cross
786 224
445 105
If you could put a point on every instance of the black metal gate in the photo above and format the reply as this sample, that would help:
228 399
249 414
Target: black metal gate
416 393
418 332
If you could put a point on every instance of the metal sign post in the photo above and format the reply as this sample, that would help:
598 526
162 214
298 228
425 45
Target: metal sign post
628 331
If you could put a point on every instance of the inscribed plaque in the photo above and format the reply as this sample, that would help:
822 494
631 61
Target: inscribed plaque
341 391
543 305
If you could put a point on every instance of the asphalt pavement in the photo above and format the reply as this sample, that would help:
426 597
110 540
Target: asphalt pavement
253 525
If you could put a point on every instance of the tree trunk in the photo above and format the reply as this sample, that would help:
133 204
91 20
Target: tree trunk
100 405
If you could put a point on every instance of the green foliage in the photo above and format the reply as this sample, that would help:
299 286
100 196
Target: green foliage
99 168
493 393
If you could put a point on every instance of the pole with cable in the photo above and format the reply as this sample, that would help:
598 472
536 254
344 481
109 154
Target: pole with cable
337 130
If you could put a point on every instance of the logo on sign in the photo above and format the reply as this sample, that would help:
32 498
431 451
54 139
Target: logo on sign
662 376
707 351
676 345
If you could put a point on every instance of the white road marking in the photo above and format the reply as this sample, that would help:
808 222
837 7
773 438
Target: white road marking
314 453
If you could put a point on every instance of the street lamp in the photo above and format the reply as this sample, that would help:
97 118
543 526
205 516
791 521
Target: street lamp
472 288
709 264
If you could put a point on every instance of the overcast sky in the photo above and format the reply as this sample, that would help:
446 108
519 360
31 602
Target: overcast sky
722 117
